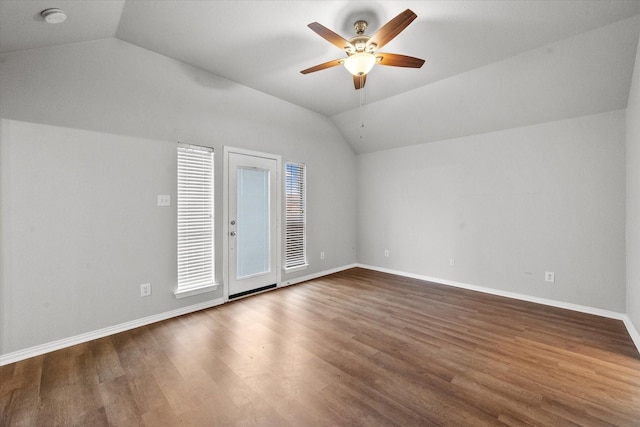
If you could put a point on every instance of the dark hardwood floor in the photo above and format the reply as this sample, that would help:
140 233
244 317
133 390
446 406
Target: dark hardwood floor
354 348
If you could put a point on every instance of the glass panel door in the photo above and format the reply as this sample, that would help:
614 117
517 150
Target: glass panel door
253 222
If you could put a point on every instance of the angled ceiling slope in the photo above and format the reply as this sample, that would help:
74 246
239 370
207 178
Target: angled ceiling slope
264 45
586 74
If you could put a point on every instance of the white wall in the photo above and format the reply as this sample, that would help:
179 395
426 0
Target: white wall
507 206
87 142
633 197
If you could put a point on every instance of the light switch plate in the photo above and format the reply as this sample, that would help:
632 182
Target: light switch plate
164 200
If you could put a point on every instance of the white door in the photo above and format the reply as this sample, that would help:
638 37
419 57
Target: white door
252 223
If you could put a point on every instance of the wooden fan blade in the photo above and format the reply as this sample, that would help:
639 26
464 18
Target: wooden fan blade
323 66
395 60
392 28
359 81
330 36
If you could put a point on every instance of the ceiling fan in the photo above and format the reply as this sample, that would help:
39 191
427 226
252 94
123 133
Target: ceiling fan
361 50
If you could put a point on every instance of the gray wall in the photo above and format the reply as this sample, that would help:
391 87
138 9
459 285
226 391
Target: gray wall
507 206
633 198
88 141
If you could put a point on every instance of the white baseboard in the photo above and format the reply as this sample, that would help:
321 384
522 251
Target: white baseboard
315 275
633 332
26 353
37 350
553 303
19 355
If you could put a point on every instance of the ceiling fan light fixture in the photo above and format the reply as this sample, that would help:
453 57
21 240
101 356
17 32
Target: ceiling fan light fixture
360 63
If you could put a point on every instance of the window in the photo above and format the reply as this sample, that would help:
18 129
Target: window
195 220
295 241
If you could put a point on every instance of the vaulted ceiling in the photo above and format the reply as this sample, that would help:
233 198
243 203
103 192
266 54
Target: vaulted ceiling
490 65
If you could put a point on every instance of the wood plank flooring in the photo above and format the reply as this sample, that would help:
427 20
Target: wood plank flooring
354 348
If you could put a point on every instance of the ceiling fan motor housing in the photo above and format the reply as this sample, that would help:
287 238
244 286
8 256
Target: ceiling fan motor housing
360 44
360 40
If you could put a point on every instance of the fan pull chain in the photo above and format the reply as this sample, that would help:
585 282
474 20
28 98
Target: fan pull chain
361 111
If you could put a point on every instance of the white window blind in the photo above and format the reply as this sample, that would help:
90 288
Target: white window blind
295 240
195 217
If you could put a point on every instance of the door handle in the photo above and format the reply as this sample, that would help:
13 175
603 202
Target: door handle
233 233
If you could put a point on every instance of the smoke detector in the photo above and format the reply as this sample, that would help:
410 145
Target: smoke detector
53 16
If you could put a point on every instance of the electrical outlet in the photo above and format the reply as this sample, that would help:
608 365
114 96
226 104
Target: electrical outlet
322 255
452 262
164 200
550 276
145 289
386 252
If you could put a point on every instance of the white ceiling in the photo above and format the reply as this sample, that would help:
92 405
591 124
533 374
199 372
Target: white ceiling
551 59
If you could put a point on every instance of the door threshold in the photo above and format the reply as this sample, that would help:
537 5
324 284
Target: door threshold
252 291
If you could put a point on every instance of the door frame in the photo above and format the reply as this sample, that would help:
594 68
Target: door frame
225 213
